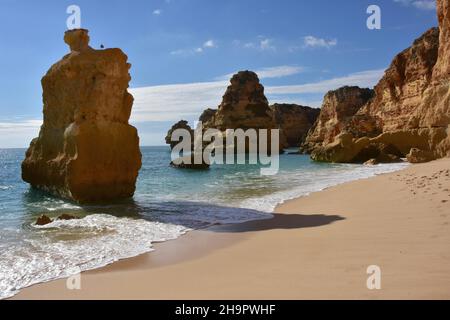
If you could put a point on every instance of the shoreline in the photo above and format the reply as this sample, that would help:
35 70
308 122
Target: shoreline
262 253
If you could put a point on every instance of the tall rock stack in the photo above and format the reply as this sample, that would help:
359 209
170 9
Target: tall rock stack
244 106
86 150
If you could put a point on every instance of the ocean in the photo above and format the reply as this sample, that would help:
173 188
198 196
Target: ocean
168 203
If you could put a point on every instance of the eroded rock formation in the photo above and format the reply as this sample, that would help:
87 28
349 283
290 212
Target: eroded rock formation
207 117
244 105
410 109
338 108
294 122
86 150
182 124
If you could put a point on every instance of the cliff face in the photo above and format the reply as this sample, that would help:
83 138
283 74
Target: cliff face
410 109
442 68
86 150
338 108
294 122
434 111
401 90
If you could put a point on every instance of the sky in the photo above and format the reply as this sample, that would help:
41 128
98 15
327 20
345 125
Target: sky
183 52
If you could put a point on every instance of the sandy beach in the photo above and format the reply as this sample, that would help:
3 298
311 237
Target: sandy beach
316 247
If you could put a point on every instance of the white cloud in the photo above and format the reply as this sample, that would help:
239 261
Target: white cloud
178 52
419 4
176 101
210 44
271 72
313 42
362 79
278 72
17 134
262 44
266 44
157 12
186 52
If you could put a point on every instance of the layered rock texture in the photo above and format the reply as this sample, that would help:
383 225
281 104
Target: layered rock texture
338 108
207 117
294 122
243 106
86 150
410 108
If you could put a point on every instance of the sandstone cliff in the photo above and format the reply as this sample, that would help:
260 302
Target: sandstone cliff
294 122
207 117
410 108
244 105
338 108
86 150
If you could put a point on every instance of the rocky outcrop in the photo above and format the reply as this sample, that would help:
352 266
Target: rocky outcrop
411 106
419 156
401 90
338 108
190 162
183 124
442 68
294 122
86 150
207 117
384 148
244 105
43 220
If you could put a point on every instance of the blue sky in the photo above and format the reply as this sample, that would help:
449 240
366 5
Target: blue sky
182 51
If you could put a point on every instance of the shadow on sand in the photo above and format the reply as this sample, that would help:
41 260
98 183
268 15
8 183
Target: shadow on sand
281 222
190 214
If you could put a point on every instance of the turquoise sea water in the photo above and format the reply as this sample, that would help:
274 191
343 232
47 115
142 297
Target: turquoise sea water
168 203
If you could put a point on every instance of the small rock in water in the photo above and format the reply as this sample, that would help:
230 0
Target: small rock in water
189 162
371 162
43 220
66 216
